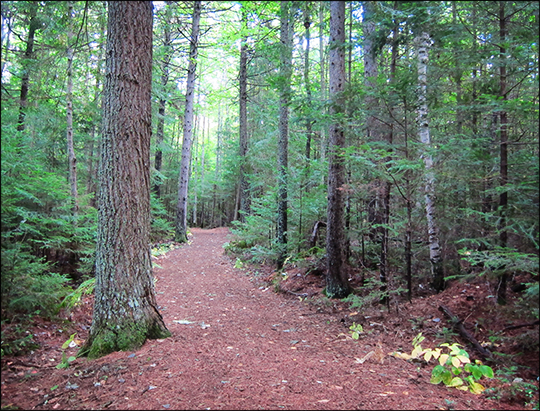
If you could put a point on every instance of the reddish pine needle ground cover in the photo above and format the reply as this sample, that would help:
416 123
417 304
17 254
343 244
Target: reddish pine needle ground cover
239 345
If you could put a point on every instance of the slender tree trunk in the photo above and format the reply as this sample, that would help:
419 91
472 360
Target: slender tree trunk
6 32
91 183
284 99
309 121
378 132
193 172
217 169
429 189
348 137
323 141
160 128
181 211
337 281
503 127
125 307
244 206
457 76
28 55
69 116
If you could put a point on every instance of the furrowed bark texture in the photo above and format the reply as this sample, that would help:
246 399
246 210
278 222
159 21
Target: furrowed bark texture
181 211
125 308
337 284
429 188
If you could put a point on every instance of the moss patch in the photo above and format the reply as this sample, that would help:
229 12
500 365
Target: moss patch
127 336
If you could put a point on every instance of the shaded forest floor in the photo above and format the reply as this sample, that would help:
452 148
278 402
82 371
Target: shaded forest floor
237 344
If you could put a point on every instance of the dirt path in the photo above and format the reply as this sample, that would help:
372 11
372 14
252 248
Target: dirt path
234 346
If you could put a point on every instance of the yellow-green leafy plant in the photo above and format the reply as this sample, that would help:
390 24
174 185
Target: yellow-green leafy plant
67 360
356 330
454 367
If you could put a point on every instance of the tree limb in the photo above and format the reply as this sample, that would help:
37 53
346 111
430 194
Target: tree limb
458 325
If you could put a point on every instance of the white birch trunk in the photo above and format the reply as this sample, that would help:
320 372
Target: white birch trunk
423 42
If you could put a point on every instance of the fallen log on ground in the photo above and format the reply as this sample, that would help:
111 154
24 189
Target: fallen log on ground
458 325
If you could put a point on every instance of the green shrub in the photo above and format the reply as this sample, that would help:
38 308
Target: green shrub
42 293
454 367
16 340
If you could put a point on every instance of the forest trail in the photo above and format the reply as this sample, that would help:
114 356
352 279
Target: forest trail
235 345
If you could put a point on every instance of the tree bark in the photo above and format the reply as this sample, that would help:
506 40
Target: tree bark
72 160
323 141
28 55
181 211
307 83
160 127
429 188
244 206
125 307
337 282
285 72
503 127
377 132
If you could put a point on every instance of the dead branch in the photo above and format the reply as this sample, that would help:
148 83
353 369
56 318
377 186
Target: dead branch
513 327
458 325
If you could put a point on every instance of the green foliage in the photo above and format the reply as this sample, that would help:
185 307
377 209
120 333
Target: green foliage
16 338
42 293
500 260
447 334
375 293
65 359
161 228
514 388
40 234
74 298
356 330
451 364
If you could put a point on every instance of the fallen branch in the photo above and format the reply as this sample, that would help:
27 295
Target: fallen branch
513 327
297 294
458 325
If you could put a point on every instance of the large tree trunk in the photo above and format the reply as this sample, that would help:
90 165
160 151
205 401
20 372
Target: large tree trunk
429 188
285 73
125 307
337 282
69 116
183 181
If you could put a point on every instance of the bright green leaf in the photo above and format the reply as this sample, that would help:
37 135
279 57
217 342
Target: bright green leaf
455 382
